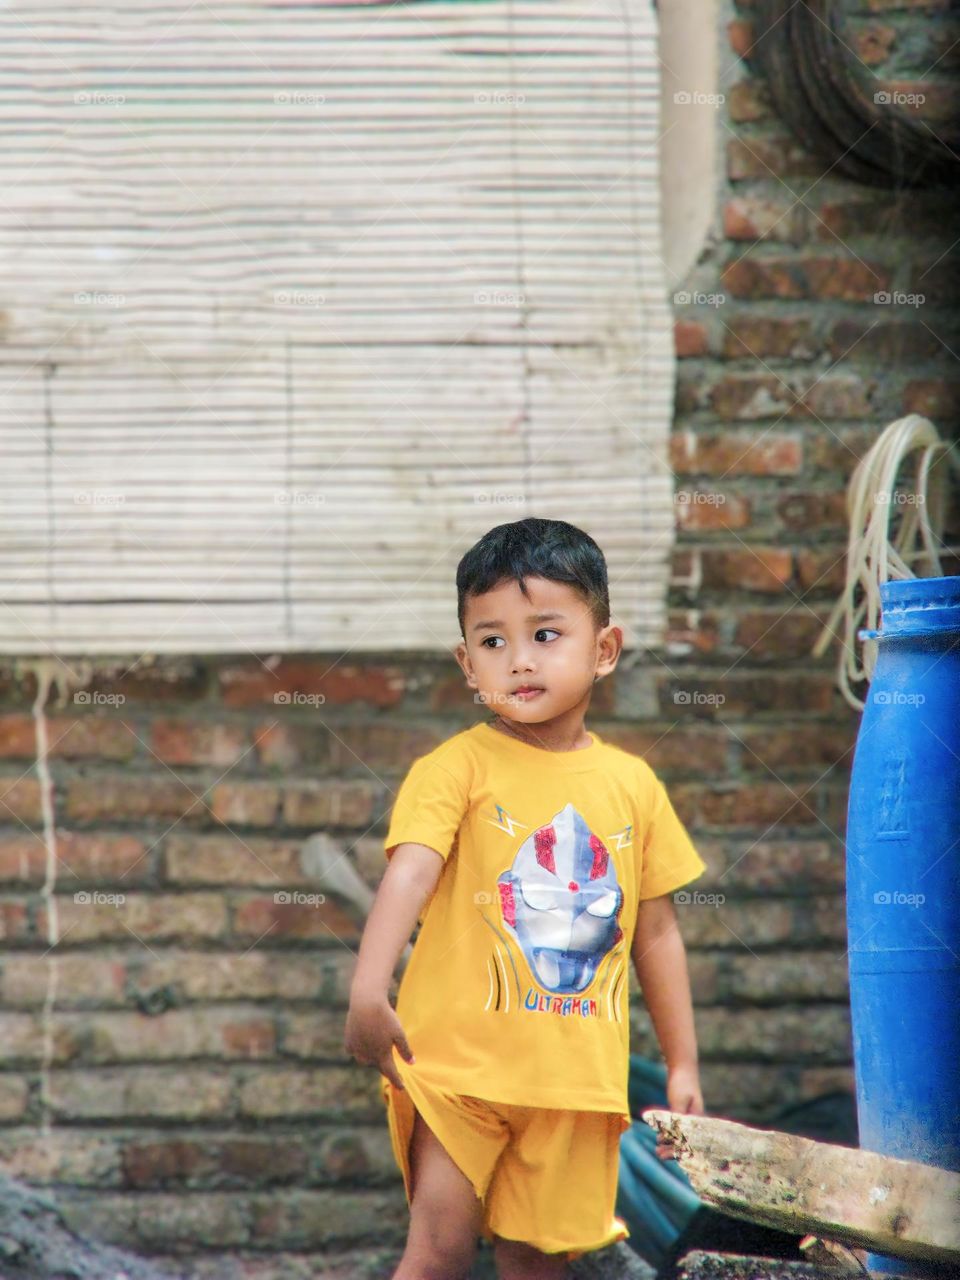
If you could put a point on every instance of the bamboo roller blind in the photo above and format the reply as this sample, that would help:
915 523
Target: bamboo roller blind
299 300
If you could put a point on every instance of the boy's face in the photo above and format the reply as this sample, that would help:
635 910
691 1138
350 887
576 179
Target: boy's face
509 645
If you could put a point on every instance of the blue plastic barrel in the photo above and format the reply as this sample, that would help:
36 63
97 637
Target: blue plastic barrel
903 895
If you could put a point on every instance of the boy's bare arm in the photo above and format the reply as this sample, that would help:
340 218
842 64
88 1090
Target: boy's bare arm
372 1026
660 960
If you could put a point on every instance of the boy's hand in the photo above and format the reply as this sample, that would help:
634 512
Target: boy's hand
683 1095
371 1031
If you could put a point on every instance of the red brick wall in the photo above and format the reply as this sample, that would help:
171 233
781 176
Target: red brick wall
184 1051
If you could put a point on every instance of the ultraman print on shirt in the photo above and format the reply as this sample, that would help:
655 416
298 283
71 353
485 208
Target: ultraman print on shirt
560 902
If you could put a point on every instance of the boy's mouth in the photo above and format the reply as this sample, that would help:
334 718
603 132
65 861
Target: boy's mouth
527 691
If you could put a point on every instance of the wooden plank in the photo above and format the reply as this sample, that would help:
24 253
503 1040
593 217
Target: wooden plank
898 1207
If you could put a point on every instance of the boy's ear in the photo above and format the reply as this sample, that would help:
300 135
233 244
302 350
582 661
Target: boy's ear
463 659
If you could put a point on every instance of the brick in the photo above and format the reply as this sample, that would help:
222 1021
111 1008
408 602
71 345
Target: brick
251 975
905 6
79 1159
838 449
690 338
811 1032
874 42
20 800
843 279
851 217
797 749
740 34
935 398
743 694
735 453
774 155
894 341
749 336
692 631
779 634
230 1032
337 684
185 742
760 218
315 1219
142 915
733 924
27 980
317 1034
783 866
785 976
80 858
23 1039
700 510
335 1093
167 680
836 396
130 797
219 860
822 569
380 746
14 922
145 1222
67 738
668 749
283 915
937 100
14 1096
142 1093
343 1155
748 100
766 569
245 804
801 512
330 803
759 804
210 1162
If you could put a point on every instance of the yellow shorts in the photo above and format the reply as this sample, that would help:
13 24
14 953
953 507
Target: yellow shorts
546 1176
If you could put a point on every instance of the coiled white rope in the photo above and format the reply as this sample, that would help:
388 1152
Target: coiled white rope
873 499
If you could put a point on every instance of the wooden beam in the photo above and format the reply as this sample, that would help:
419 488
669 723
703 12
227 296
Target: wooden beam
897 1207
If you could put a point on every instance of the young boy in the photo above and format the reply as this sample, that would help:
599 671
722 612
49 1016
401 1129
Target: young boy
539 860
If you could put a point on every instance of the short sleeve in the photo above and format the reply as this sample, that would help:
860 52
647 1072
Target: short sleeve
670 859
431 803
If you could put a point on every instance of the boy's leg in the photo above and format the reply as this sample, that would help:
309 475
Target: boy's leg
445 1213
518 1261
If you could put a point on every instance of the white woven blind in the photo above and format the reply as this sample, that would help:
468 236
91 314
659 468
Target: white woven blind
301 300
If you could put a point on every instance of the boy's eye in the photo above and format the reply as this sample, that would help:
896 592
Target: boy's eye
539 632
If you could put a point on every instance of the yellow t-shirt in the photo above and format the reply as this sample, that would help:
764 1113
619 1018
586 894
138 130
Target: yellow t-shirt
517 987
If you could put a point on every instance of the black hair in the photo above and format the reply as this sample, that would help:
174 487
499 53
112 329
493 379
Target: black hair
550 549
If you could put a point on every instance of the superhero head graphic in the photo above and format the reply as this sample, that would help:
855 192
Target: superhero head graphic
561 899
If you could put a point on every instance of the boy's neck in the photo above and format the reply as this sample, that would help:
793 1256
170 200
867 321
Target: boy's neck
565 732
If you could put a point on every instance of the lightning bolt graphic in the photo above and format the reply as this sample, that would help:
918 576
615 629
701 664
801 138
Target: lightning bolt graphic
505 823
624 837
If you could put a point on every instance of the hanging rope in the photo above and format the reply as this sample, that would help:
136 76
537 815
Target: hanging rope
872 557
